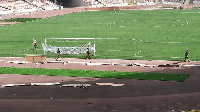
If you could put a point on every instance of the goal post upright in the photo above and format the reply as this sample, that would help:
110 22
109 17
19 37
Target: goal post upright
94 46
45 42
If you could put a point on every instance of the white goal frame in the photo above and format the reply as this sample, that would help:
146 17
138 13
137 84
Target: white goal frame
94 48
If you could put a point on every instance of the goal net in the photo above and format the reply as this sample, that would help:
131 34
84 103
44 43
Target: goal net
69 45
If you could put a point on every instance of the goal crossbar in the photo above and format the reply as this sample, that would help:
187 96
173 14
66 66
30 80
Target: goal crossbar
93 47
72 38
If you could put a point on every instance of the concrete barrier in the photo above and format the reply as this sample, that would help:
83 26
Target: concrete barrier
110 8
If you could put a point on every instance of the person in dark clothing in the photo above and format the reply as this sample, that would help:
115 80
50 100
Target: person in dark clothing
58 52
186 55
88 54
34 44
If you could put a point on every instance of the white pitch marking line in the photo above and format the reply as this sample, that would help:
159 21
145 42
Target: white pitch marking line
106 38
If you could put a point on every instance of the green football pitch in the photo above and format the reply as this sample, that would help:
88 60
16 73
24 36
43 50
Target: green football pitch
136 34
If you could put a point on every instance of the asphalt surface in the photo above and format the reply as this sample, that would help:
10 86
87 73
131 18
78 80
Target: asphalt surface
134 96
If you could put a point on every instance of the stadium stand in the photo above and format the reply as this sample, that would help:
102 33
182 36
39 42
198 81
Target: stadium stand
110 3
100 3
26 6
21 6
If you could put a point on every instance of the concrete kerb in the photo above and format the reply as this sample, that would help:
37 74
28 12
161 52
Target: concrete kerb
63 61
62 85
18 62
48 84
109 84
12 85
195 65
96 63
54 61
76 85
122 64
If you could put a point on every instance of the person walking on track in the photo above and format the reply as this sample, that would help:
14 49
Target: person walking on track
88 54
186 56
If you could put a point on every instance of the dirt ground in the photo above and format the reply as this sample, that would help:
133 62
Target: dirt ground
133 96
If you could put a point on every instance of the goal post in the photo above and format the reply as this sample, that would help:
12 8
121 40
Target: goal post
69 49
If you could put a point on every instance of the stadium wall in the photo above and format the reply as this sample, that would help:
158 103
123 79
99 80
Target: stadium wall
71 3
111 8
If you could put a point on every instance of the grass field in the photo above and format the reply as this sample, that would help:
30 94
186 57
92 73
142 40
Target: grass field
158 34
93 73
